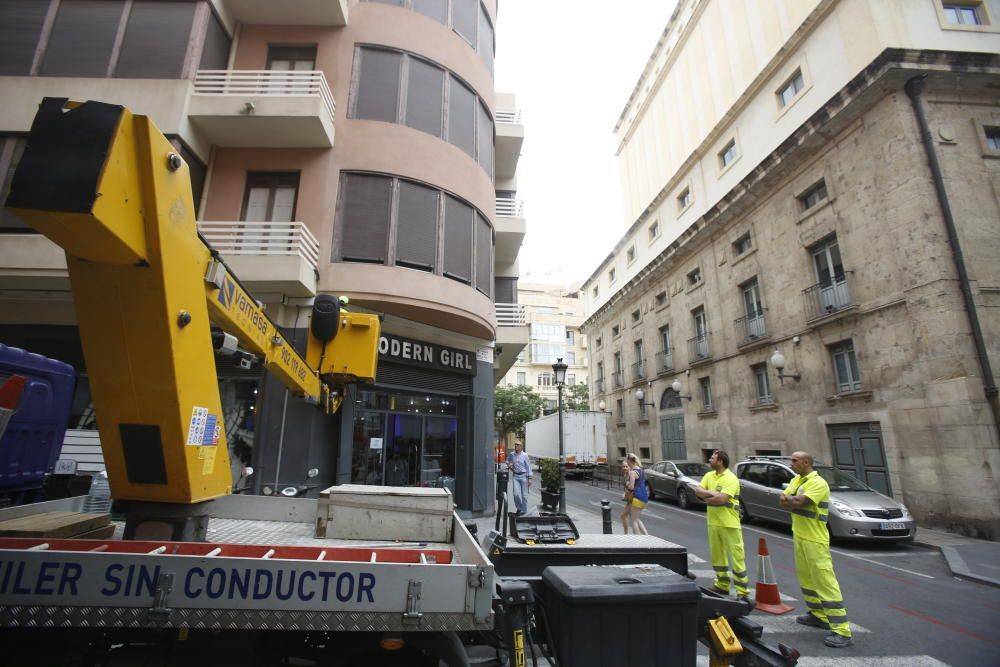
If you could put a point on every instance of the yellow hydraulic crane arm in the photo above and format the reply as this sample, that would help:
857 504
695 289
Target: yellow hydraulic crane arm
109 188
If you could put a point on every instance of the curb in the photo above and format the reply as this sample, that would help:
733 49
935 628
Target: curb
960 568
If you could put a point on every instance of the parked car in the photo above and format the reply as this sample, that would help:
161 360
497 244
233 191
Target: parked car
857 511
674 479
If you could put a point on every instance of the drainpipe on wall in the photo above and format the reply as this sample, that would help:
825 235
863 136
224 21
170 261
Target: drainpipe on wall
914 87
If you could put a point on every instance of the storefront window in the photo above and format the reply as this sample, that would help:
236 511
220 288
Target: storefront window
404 439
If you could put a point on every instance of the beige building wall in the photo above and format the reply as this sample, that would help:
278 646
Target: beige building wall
920 391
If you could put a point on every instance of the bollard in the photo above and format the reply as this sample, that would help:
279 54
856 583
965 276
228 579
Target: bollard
606 515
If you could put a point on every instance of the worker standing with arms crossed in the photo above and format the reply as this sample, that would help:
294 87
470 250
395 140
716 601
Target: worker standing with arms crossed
808 498
721 492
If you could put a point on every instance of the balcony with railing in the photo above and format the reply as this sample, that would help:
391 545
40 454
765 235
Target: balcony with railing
639 370
827 298
699 349
510 315
750 329
267 256
510 208
510 228
509 136
263 108
664 361
511 337
618 378
599 385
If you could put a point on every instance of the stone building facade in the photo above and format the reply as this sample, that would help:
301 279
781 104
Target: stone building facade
831 248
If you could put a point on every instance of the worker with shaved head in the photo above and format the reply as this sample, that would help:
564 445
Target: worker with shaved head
807 497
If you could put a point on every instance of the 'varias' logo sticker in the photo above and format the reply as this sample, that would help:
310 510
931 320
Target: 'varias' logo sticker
227 292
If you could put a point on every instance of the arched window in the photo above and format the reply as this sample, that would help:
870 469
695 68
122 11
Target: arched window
670 399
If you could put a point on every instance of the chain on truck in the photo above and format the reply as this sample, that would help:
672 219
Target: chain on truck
360 576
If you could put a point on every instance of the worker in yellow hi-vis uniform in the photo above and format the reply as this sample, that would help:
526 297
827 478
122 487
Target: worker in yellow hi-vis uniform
721 492
807 497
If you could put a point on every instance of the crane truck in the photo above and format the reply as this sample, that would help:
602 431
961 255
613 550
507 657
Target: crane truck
196 576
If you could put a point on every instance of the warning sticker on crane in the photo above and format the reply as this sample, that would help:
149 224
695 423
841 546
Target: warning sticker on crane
204 428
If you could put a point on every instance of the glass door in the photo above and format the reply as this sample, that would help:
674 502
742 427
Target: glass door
402 450
369 439
438 462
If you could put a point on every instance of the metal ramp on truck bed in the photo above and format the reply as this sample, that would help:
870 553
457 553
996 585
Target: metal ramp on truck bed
261 573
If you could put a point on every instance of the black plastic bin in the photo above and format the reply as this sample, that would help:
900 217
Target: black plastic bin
622 616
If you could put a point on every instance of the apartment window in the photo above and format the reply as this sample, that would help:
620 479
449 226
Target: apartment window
484 255
553 333
705 385
367 204
791 88
694 277
615 330
291 58
636 316
522 356
620 409
82 38
600 371
484 132
547 353
992 137
425 97
156 40
684 199
630 255
416 227
742 245
464 19
661 299
570 358
963 14
570 379
458 218
596 291
522 379
611 276
434 9
570 337
654 230
665 339
215 51
378 85
462 118
546 380
728 154
845 367
763 383
599 342
827 263
20 29
486 38
752 306
270 197
814 195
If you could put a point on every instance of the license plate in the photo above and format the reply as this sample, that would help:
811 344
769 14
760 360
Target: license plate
890 525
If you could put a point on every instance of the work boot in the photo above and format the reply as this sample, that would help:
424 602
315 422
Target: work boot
744 598
812 621
834 640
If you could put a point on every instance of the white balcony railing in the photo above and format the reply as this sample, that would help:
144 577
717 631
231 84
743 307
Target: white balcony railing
510 314
262 238
512 208
275 83
509 116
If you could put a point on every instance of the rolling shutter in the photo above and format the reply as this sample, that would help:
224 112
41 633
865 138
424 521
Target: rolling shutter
416 226
365 217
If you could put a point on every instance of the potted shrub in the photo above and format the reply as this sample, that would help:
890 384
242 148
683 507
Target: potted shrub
549 468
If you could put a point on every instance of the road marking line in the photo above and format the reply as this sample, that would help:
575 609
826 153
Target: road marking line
956 628
695 559
846 554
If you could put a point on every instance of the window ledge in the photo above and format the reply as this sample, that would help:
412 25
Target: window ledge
739 258
810 212
708 414
769 407
643 420
700 361
691 288
620 423
861 394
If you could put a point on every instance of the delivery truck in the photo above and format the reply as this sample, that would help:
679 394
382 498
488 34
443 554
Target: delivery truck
585 439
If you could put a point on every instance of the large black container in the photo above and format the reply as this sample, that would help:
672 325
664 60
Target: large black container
622 616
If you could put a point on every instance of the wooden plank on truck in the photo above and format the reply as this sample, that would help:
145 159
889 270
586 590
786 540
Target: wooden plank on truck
53 524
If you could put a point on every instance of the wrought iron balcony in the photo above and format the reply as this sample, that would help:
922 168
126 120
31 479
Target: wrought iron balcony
618 379
699 348
827 298
750 329
599 385
664 361
639 370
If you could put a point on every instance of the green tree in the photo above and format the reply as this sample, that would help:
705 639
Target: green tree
576 397
517 406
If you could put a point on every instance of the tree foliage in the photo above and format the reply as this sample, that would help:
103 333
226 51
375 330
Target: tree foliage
577 397
517 405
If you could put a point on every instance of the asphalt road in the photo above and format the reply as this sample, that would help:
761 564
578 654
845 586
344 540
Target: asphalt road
904 605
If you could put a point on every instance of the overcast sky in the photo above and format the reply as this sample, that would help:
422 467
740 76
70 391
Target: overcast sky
572 65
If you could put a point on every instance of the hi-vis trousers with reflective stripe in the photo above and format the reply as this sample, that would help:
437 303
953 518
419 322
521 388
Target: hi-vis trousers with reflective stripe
819 585
725 543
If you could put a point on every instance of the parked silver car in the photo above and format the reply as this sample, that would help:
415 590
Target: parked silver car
856 510
674 479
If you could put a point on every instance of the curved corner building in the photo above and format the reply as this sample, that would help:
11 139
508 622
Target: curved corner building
346 147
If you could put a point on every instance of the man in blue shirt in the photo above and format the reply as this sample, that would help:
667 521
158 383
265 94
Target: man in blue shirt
520 470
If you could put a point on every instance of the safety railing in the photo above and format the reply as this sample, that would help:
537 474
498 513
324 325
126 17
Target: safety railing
618 379
510 314
750 328
277 83
827 298
262 238
639 370
664 361
512 208
509 116
699 348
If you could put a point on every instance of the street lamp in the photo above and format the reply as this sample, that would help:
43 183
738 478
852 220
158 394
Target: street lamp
602 406
641 395
778 361
676 386
559 368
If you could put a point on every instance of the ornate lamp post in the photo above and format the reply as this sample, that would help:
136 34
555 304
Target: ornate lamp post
559 368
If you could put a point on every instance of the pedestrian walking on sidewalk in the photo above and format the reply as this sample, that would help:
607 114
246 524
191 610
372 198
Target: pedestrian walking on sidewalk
807 497
636 495
721 492
520 470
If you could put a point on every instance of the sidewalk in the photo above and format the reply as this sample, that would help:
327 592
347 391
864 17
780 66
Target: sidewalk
967 557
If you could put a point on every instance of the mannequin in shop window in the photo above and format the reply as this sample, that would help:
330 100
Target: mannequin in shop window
397 470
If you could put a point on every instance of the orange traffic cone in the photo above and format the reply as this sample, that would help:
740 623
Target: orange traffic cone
767 596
